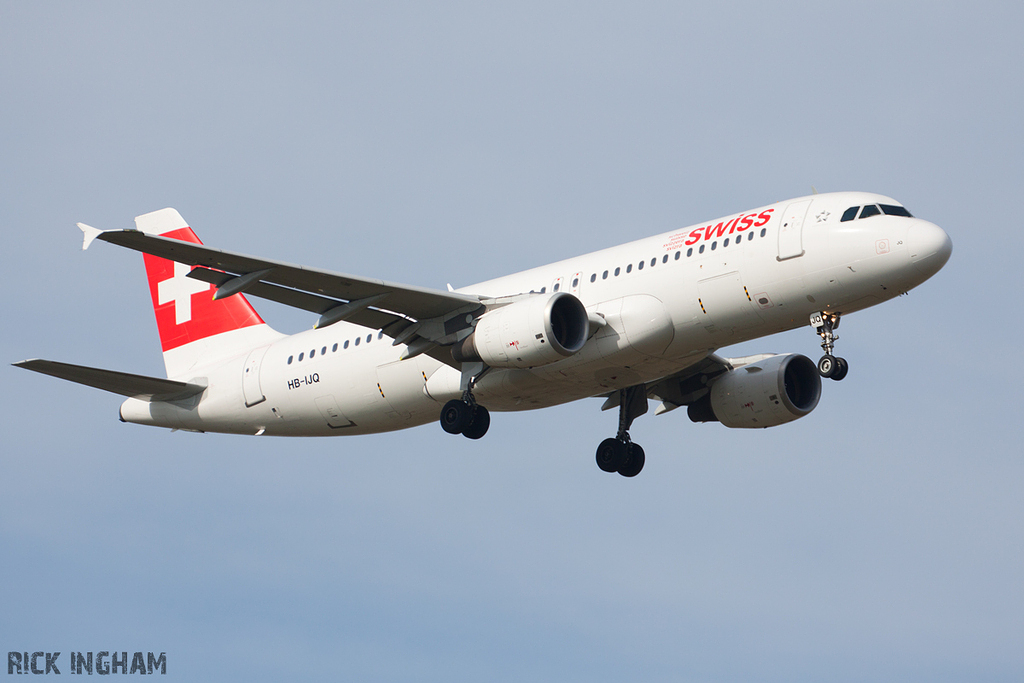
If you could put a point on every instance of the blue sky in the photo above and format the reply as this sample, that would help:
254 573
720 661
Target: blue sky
879 538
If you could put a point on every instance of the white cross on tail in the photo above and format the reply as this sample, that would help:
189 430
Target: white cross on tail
180 289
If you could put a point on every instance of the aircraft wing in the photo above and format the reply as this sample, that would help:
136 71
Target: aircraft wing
336 296
133 386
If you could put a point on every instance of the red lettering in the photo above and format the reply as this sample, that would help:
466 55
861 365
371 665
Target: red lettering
694 237
765 216
714 231
732 224
745 223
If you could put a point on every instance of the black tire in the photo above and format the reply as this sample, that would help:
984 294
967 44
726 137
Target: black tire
842 367
456 416
827 365
611 455
634 462
478 427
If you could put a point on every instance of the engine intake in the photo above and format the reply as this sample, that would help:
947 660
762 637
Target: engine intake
526 334
767 393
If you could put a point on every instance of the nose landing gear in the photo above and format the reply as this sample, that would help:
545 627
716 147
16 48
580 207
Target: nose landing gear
829 366
620 454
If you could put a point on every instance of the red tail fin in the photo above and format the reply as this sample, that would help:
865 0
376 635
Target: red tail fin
184 307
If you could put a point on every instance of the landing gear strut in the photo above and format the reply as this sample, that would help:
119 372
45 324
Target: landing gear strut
829 366
620 454
465 416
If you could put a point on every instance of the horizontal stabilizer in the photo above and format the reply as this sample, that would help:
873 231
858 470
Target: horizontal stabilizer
134 386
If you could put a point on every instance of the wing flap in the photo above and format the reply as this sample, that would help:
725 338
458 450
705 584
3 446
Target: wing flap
123 383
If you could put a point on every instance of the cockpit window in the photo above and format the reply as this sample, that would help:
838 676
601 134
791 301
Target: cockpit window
849 214
892 210
870 210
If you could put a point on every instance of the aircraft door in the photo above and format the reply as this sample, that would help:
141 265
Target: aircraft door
556 286
577 280
251 389
791 230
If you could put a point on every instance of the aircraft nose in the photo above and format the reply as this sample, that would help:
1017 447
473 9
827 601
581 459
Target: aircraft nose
929 247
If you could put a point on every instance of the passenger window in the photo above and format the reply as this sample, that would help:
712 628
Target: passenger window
605 275
893 210
629 268
701 250
664 259
312 353
575 282
334 348
345 345
593 278
641 266
689 253
849 214
714 245
357 341
323 351
557 285
617 271
655 260
543 290
726 242
764 231
368 338
290 359
300 357
380 335
869 210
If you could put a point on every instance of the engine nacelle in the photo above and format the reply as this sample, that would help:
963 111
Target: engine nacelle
526 334
767 393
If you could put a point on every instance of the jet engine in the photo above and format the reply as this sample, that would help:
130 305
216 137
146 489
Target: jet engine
528 333
767 393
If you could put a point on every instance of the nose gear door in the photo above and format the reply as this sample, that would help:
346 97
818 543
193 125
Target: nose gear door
791 230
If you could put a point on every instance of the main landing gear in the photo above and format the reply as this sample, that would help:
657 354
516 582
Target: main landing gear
465 416
829 366
620 454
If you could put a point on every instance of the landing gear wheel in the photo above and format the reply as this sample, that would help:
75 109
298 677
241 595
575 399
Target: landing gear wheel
842 367
634 461
824 325
827 366
456 416
478 426
620 454
612 454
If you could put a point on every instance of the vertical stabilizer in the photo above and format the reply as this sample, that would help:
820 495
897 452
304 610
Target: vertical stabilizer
194 329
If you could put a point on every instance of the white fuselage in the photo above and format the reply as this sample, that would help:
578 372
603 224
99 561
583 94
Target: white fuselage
699 288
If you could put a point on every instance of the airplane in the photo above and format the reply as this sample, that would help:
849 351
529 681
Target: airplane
633 323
